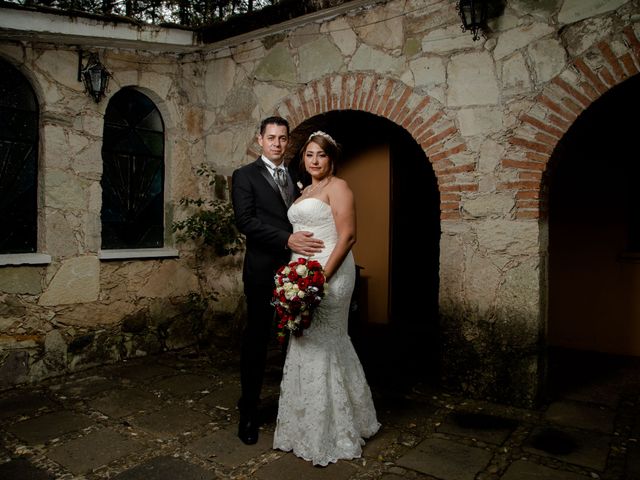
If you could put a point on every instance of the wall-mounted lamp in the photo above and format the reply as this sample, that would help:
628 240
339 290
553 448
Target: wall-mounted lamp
474 16
94 75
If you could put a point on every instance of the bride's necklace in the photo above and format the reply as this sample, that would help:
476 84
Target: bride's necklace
311 188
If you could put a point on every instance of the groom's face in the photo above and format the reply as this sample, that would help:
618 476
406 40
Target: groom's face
273 142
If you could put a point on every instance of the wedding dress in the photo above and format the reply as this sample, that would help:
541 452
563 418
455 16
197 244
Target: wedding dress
325 408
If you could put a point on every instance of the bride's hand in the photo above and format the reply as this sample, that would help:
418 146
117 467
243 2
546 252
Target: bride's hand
304 243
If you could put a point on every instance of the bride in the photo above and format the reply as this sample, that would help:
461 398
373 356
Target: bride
325 409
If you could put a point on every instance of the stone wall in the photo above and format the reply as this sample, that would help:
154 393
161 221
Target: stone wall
488 114
80 310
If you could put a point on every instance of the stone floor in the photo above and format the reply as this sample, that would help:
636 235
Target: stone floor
173 417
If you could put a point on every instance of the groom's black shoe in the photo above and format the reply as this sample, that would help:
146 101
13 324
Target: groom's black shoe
248 430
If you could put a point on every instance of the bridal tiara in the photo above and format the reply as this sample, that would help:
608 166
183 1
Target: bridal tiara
320 133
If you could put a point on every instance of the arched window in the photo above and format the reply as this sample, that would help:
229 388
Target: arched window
18 162
133 173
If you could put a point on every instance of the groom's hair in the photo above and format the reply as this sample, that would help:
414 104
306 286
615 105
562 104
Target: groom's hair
273 120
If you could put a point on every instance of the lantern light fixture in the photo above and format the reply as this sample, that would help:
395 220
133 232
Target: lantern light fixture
94 75
474 16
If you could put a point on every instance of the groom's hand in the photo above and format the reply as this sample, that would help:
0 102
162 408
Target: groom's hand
303 243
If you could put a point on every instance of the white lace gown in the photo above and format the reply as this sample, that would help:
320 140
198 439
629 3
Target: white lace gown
325 409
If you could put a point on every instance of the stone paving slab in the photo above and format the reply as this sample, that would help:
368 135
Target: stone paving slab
84 454
290 467
124 402
523 470
171 421
21 403
446 459
224 446
607 395
166 468
572 446
84 387
225 396
48 426
185 384
487 428
573 414
142 372
22 469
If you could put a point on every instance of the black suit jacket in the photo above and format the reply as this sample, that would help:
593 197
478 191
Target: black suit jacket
261 215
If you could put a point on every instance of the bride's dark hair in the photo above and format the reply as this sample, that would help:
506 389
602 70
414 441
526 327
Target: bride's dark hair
330 147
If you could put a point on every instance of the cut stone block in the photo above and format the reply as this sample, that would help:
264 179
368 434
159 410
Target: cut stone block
21 469
142 372
171 421
572 446
523 470
120 403
291 467
166 468
48 426
446 459
487 428
84 454
85 387
573 414
224 446
17 404
184 385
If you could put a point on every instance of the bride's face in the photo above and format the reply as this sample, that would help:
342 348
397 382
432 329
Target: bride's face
316 162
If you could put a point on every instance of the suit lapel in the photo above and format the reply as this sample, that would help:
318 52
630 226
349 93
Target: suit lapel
264 171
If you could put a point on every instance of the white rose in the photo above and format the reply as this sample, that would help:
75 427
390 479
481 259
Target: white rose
286 271
301 294
301 270
289 294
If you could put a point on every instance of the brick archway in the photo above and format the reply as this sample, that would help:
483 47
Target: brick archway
566 96
421 115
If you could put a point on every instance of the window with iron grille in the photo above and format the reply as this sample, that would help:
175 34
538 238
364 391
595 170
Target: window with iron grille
133 173
18 162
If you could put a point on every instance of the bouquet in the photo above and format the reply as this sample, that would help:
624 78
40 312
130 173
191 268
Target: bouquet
300 285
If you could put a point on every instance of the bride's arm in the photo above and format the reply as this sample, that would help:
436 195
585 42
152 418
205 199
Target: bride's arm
344 214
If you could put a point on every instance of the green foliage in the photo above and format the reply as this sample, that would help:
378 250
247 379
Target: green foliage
212 221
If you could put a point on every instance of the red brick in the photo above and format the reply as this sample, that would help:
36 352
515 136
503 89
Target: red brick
589 90
444 206
531 145
438 157
427 123
416 110
530 176
388 107
372 91
292 112
522 164
439 166
633 41
385 98
303 104
528 194
343 94
532 204
548 139
450 216
520 185
572 92
605 75
464 187
537 157
450 197
540 125
327 91
590 75
527 214
415 123
402 101
612 60
357 91
440 136
573 106
627 61
469 167
556 108
560 122
316 98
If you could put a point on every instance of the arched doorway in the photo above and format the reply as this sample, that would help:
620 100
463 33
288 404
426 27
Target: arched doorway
395 327
594 232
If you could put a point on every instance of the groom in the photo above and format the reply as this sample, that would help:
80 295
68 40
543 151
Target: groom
261 192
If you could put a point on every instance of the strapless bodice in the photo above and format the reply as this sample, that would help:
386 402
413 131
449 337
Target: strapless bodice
314 215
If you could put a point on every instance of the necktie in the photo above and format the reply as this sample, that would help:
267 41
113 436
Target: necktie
283 185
